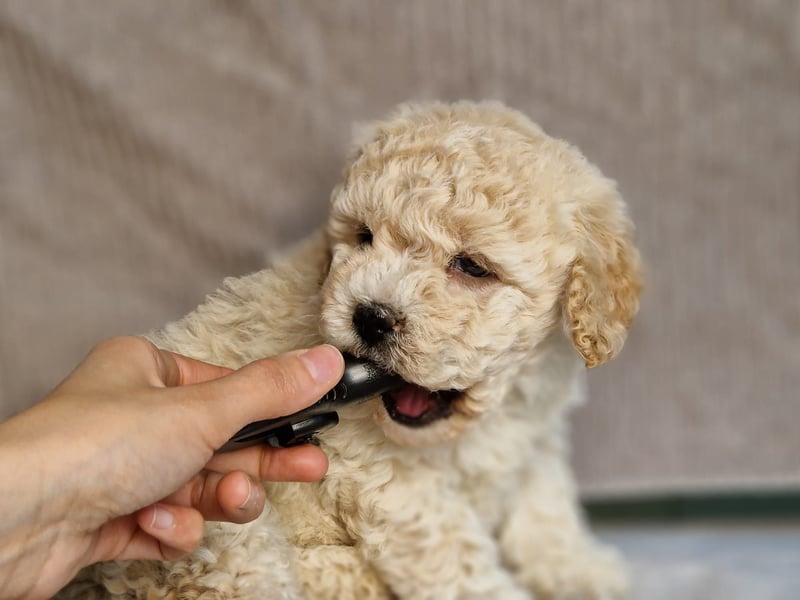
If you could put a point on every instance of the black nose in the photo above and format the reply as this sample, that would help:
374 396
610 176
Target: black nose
375 322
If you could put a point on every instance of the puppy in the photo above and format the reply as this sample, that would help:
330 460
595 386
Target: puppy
485 263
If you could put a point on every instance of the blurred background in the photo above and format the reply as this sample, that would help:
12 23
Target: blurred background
148 149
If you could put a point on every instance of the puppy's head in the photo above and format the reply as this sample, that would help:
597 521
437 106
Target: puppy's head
461 237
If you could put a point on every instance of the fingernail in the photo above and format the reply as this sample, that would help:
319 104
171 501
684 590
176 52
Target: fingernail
324 363
162 518
251 496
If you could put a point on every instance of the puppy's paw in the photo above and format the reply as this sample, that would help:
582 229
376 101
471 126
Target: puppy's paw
587 573
334 572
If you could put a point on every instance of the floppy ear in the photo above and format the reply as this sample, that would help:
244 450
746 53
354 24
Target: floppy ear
602 294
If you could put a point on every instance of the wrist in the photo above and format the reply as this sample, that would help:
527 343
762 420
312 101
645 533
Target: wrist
29 527
46 513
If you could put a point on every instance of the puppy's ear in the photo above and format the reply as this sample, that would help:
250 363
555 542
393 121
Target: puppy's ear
602 294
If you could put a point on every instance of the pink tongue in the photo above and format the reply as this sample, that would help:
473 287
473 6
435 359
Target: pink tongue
412 401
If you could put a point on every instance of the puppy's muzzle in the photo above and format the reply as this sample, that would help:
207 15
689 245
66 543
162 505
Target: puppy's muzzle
375 323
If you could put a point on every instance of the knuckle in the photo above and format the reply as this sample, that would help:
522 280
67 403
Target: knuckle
280 377
265 463
197 493
273 387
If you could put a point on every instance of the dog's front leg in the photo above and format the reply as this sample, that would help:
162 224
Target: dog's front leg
547 545
427 544
338 572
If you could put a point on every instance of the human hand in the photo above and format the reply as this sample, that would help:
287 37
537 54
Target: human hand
118 461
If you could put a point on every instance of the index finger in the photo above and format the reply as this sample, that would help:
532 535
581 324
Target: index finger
298 463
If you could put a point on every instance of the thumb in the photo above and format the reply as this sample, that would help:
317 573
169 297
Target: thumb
272 387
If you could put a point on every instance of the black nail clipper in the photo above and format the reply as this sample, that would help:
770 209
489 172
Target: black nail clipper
361 380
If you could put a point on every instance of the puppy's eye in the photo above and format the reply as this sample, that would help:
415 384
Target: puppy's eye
466 265
364 236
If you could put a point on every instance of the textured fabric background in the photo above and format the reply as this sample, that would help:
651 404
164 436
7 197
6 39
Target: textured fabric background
148 149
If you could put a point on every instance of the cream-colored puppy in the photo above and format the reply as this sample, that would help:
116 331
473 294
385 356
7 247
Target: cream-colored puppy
485 263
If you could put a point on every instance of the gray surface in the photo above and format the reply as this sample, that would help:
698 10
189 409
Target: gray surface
711 562
149 148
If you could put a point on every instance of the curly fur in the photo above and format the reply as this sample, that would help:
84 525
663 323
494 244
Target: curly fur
481 503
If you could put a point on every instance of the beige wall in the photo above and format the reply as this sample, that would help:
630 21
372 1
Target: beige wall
148 149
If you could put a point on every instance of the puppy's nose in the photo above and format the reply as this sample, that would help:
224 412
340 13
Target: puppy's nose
375 322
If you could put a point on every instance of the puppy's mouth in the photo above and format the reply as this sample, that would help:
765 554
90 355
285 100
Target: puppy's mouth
415 406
